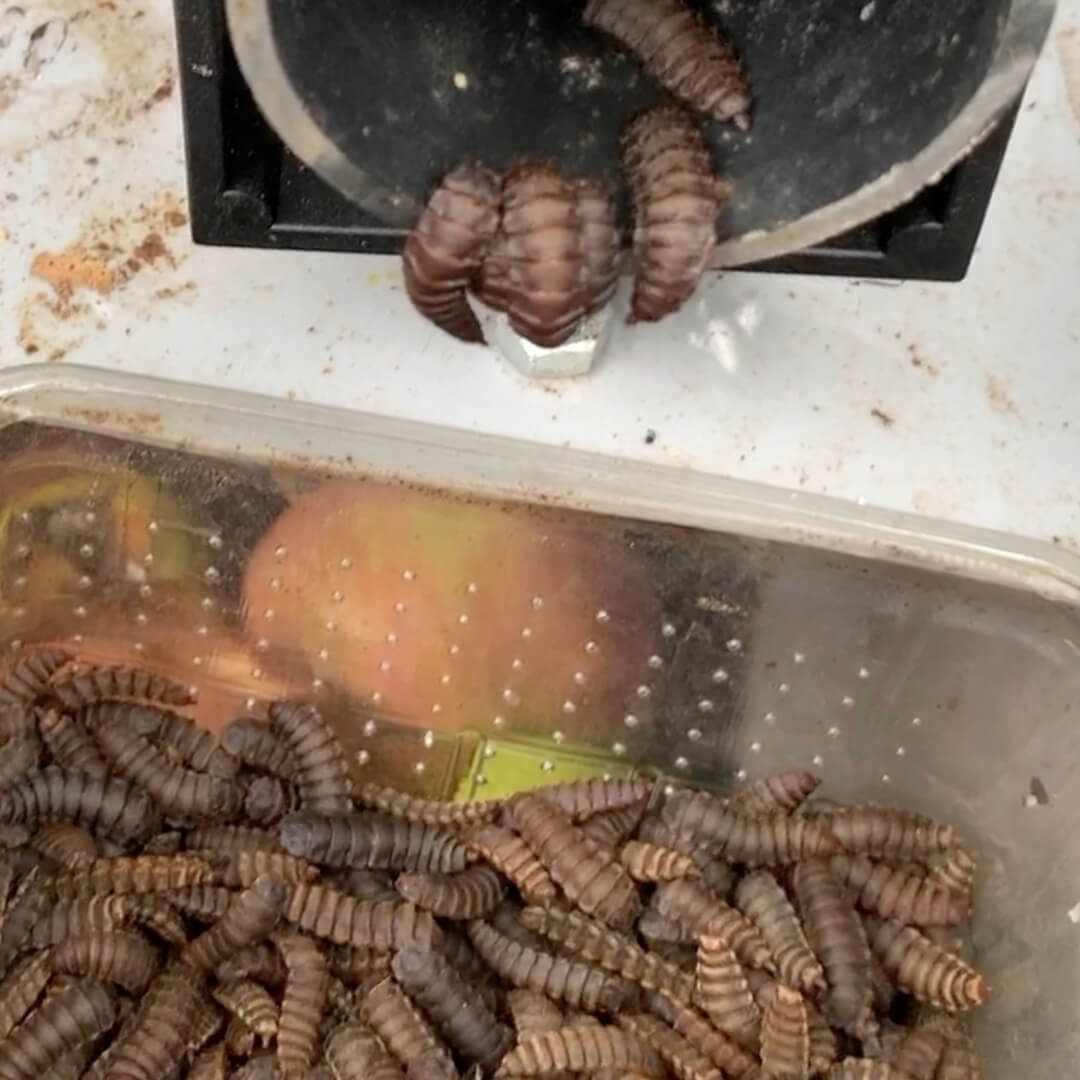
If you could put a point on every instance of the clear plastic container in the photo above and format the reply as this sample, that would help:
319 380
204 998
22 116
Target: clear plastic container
480 615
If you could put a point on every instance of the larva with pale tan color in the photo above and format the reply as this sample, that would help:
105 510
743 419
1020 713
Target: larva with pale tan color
252 1003
684 1060
134 874
303 1003
354 1052
122 957
901 894
580 1049
406 1032
21 988
726 1054
445 249
647 862
723 992
887 834
785 1036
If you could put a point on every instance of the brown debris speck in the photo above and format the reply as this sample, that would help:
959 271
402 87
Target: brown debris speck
73 269
882 417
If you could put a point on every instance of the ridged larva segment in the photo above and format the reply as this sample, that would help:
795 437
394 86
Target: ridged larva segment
21 989
581 799
723 991
676 199
30 901
69 743
252 1003
382 925
321 773
241 869
406 1032
303 1003
250 917
580 985
134 874
600 240
80 685
693 60
726 1054
122 957
762 899
74 918
210 1063
203 903
452 815
511 856
682 1058
955 869
920 1051
27 676
958 1059
864 1069
783 791
785 1036
354 1052
230 839
923 969
69 846
888 834
254 743
589 876
260 962
899 893
446 248
471 894
532 1012
267 799
647 862
182 740
580 1049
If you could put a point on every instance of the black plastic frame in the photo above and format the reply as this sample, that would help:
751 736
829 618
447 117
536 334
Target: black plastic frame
246 189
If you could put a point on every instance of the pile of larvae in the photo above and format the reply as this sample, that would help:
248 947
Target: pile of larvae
173 905
543 247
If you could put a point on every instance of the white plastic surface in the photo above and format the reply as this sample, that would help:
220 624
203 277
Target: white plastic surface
960 401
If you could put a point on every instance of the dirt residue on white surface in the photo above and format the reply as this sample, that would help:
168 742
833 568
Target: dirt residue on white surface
997 393
1068 46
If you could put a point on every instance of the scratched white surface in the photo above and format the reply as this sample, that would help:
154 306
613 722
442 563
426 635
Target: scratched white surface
960 401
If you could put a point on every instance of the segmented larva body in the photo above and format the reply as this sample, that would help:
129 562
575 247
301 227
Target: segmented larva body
251 1003
250 917
532 1012
887 834
761 898
240 869
21 989
80 685
676 199
116 956
204 903
600 240
784 791
65 1021
19 753
658 929
580 985
105 805
370 842
588 1047
382 925
303 1003
923 969
72 1065
836 935
427 811
67 845
691 59
958 1059
545 285
765 840
583 798
510 855
267 799
724 993
610 828
647 862
261 962
460 1014
70 743
864 1069
715 874
239 1038
919 1052
163 1026
699 911
684 1060
29 673
321 775
209 1022
254 743
589 876
785 1035
210 1063
179 791
87 915
406 1033
182 740
260 1067
615 952
354 1052
823 1046
446 248
30 901
134 874
955 869
366 884
471 894
897 893
230 839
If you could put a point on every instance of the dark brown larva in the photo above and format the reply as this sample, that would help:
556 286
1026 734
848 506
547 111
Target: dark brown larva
65 1021
359 967
251 916
699 911
354 1052
28 675
864 1069
203 903
589 876
583 798
691 59
615 952
321 774
371 842
580 985
30 901
592 1046
303 1003
761 898
252 1003
72 1065
765 840
887 834
406 1033
445 249
545 288
510 855
715 874
785 1036
684 1060
471 894
822 1041
209 1022
239 870
266 799
239 1038
600 240
21 989
179 791
230 839
365 884
923 969
383 925
116 956
836 935
262 1066
658 929
134 874
532 1012
676 199
254 743
210 1063
427 811
69 846
81 685
724 993
465 1021
182 740
86 915
958 1059
920 1051
261 962
610 828
896 893
105 805
785 791
69 743
19 753
647 862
